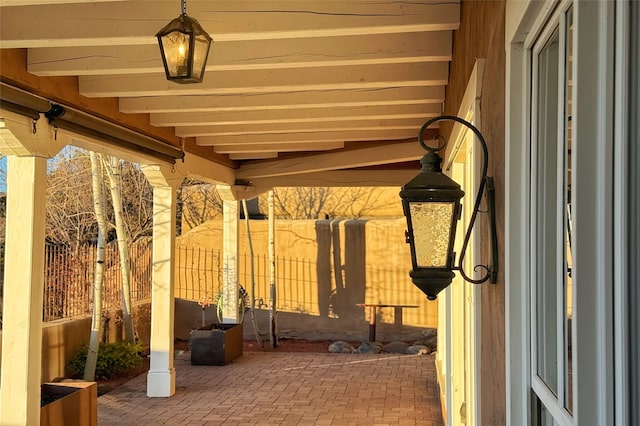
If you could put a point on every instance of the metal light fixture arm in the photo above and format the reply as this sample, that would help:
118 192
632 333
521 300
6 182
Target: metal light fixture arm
491 271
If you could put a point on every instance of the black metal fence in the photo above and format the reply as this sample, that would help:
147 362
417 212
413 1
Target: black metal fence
69 274
301 286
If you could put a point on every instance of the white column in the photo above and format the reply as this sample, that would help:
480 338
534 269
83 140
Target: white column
23 287
230 261
162 376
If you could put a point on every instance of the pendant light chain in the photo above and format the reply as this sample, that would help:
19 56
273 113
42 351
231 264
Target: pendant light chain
183 4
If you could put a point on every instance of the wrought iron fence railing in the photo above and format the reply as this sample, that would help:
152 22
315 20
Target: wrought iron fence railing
69 274
303 286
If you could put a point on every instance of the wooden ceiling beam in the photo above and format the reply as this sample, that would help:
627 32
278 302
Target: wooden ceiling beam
136 22
271 81
338 178
288 100
338 125
374 49
390 153
278 147
253 155
300 115
340 136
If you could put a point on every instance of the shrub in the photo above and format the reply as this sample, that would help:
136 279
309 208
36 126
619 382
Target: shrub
114 359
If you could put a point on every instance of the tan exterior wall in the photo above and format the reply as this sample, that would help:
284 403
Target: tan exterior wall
61 339
482 36
372 261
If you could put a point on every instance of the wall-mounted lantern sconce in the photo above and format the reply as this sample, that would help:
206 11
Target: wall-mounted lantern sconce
184 46
431 204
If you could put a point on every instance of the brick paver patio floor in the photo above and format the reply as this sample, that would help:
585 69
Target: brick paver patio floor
271 388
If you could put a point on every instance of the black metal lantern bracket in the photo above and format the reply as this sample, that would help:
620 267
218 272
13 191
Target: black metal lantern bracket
486 186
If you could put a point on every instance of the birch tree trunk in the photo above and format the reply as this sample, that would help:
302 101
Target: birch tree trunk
273 333
113 172
98 204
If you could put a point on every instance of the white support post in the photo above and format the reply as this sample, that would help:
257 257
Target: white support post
162 376
23 291
230 250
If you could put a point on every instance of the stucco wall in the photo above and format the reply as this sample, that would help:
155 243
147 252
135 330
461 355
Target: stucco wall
481 35
338 264
61 339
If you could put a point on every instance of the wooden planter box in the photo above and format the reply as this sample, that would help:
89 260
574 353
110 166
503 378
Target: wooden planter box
69 404
217 346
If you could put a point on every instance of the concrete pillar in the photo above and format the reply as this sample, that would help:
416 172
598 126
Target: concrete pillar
23 289
230 218
27 145
162 376
230 261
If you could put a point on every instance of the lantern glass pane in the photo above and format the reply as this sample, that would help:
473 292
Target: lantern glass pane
200 53
431 224
176 50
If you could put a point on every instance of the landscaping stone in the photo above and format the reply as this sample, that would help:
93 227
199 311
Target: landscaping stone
368 348
429 339
395 347
341 347
417 349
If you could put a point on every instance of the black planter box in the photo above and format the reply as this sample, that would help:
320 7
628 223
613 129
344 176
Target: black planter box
217 346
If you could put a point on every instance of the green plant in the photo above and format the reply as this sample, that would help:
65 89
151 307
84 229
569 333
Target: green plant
114 359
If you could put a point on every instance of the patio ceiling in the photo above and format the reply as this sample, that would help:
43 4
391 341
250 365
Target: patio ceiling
291 87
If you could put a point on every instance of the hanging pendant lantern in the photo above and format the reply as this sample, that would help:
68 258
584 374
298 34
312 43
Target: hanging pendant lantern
184 46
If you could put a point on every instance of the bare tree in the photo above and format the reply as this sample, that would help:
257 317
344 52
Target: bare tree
354 202
200 202
99 203
70 213
112 167
301 202
137 201
320 202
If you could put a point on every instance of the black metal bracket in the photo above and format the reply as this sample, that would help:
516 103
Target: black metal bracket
487 188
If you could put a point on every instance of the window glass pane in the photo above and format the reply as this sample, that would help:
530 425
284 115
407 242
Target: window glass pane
568 282
546 214
541 416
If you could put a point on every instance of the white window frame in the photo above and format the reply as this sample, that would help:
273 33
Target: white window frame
593 122
470 110
556 408
462 387
620 211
